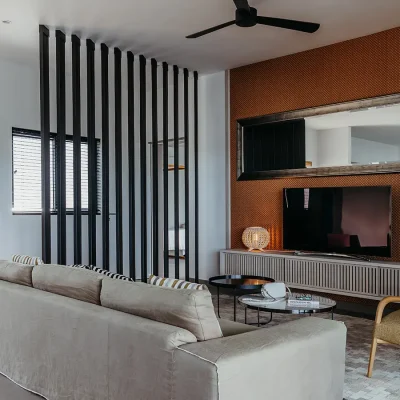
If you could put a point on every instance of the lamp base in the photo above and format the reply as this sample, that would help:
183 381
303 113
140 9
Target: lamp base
256 250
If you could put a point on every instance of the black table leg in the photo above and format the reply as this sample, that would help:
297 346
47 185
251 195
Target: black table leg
218 301
332 314
234 306
245 314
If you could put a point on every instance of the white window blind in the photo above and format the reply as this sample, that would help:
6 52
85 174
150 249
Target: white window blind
27 189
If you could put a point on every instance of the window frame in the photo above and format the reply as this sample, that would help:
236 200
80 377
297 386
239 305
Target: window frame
34 133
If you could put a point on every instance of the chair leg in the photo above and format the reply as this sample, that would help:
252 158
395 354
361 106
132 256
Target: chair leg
372 357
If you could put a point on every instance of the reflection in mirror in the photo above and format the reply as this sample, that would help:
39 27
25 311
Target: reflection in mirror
359 137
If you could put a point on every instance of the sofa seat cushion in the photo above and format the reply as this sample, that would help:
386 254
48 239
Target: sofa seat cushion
77 283
16 273
188 309
389 329
230 328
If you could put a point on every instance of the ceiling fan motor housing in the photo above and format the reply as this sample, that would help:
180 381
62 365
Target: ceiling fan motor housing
246 18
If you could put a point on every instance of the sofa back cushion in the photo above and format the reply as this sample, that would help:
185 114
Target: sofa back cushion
76 283
16 273
188 309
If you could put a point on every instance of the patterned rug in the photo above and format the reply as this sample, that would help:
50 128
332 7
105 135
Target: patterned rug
385 382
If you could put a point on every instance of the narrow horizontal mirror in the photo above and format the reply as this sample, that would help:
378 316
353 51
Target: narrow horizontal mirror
360 137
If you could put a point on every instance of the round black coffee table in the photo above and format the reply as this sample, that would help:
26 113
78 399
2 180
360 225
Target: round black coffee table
239 284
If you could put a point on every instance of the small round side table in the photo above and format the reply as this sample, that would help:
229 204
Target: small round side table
256 302
238 283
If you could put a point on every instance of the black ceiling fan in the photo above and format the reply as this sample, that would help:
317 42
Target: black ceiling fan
246 17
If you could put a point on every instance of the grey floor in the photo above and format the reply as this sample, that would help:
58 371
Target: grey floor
10 391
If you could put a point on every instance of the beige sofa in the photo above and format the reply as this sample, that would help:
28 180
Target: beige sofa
69 349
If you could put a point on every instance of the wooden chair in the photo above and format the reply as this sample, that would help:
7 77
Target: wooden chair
386 330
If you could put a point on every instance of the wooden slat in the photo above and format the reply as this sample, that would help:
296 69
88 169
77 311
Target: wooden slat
60 150
154 113
187 169
165 169
76 113
45 140
105 147
196 176
92 151
131 163
143 169
118 160
176 168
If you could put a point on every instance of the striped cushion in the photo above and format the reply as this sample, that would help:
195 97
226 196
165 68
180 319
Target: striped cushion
174 283
112 275
81 266
27 260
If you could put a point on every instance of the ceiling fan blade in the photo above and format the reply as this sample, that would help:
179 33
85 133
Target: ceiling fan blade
205 32
301 26
242 4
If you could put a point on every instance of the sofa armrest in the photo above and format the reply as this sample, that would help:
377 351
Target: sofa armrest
303 359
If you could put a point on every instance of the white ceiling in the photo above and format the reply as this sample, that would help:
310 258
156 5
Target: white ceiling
157 28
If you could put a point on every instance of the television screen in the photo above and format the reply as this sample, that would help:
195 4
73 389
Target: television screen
348 220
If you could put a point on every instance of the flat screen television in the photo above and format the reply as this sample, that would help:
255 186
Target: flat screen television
346 220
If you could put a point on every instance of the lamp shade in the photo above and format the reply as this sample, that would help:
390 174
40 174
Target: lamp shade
255 238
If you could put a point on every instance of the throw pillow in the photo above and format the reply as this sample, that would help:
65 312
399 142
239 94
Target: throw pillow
112 275
81 266
27 260
175 283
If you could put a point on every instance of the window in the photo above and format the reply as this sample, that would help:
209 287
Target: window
27 178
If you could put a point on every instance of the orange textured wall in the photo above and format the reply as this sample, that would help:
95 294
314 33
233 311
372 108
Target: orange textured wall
355 69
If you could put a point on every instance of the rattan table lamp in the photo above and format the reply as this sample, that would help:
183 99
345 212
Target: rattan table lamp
255 238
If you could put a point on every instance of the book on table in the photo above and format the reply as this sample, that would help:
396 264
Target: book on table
305 300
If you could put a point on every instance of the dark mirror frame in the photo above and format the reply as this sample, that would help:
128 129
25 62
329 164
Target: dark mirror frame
384 168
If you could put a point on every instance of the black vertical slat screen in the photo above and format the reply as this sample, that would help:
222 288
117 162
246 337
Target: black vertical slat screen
143 161
76 118
196 175
165 169
131 166
118 159
154 114
60 150
176 168
187 199
92 151
55 177
105 209
45 141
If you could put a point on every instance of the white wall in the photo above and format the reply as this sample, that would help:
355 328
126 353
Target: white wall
366 151
334 147
311 146
212 172
19 107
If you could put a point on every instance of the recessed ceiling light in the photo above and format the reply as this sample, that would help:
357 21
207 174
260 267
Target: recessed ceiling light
7 21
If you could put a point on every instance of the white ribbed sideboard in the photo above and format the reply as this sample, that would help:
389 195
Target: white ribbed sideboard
366 279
